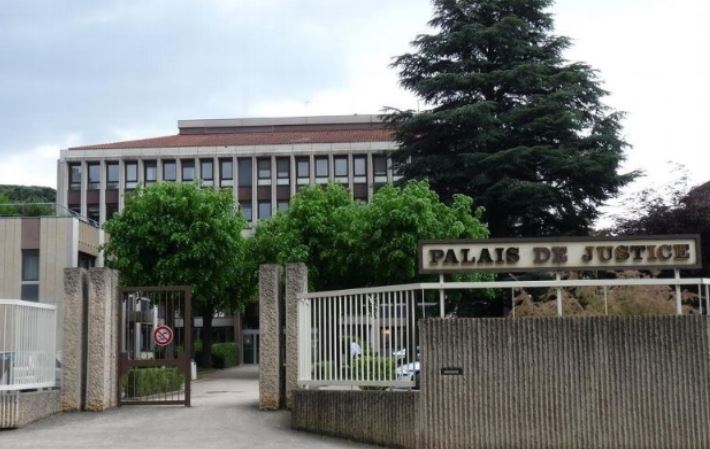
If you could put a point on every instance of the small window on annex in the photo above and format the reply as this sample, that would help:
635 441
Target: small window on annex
29 290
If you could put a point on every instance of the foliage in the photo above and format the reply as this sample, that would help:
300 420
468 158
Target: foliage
27 194
673 210
225 355
347 244
511 124
372 367
141 382
182 234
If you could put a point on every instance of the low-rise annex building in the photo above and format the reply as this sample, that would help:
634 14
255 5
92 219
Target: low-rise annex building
263 161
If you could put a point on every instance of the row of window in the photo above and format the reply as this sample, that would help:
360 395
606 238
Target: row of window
226 176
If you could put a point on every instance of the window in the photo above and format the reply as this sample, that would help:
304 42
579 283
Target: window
206 170
360 166
150 172
321 167
94 175
380 165
244 172
341 167
169 171
226 174
30 275
111 209
283 168
131 174
303 170
282 206
264 209
112 175
187 170
75 176
92 213
264 166
75 208
245 207
86 260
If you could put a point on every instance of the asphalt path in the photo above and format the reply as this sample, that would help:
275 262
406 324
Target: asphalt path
224 415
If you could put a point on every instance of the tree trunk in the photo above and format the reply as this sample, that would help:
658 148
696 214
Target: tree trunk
206 360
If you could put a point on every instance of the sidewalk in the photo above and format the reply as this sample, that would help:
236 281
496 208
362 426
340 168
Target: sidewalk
224 415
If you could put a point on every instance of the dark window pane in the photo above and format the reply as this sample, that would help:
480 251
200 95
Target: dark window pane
131 172
264 209
379 165
282 168
151 172
206 170
188 170
360 165
29 292
244 172
169 171
303 168
111 209
30 265
225 170
341 166
264 166
246 210
75 176
93 213
111 175
282 206
322 167
94 175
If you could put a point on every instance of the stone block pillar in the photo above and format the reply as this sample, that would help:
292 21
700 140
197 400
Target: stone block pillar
270 337
102 335
75 280
296 283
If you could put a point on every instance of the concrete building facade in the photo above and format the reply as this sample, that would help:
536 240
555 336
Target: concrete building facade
263 161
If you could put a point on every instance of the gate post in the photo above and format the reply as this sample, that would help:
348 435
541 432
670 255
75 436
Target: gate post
270 337
72 347
296 283
102 369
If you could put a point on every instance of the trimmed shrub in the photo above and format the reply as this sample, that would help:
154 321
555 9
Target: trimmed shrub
224 355
373 368
141 382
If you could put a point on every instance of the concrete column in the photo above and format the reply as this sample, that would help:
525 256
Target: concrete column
102 191
296 283
269 334
370 177
121 184
292 176
84 187
72 377
102 334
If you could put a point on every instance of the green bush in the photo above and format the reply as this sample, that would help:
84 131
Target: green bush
142 382
373 368
224 355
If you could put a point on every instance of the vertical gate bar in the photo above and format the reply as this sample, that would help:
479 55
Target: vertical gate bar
678 294
442 306
358 324
700 298
558 277
707 298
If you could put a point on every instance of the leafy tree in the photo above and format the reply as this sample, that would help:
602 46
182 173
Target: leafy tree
28 194
675 211
181 234
347 243
511 124
6 207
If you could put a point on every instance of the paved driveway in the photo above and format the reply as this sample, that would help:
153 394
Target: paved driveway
224 415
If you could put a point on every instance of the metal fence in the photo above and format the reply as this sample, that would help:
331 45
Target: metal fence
368 337
27 345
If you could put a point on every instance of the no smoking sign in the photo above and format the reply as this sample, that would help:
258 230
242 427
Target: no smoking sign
163 335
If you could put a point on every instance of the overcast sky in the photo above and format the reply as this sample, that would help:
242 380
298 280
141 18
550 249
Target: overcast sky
84 71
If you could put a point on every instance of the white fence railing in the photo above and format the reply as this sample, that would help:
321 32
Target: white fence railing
27 345
368 336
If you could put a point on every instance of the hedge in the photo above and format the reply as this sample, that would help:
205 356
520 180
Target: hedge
224 355
142 382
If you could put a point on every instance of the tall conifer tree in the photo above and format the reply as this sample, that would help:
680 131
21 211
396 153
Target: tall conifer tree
511 123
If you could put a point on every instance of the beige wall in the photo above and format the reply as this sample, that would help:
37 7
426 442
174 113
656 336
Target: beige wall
56 252
10 257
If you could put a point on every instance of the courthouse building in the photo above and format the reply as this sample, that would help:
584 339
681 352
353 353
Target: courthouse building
262 160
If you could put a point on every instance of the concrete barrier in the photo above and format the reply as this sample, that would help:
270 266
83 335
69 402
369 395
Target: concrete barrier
380 417
631 382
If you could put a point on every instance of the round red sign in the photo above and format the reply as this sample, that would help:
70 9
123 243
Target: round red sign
163 335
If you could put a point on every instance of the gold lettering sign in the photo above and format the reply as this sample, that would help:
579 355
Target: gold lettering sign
582 253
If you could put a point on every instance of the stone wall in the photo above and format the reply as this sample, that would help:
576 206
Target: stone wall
631 382
380 417
37 405
269 337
